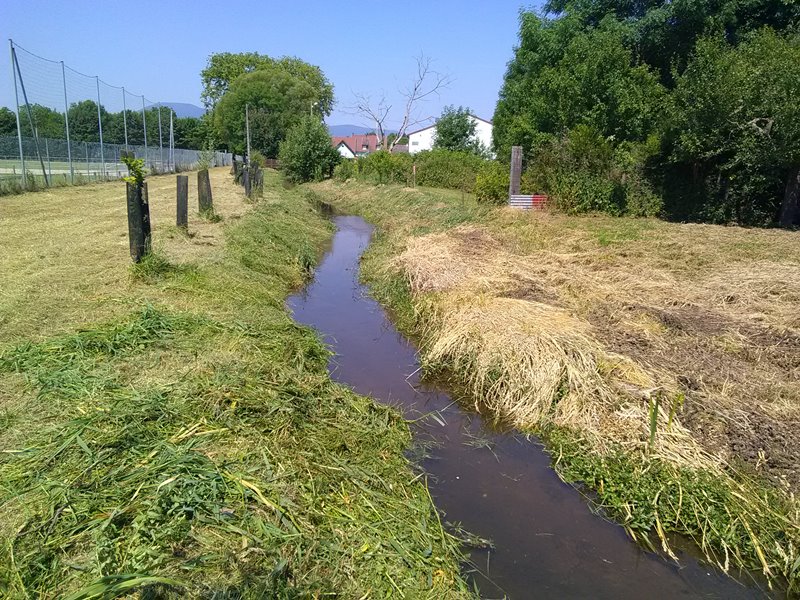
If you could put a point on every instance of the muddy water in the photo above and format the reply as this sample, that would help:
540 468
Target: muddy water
499 486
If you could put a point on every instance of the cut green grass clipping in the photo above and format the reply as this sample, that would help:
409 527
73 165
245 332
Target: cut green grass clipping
202 451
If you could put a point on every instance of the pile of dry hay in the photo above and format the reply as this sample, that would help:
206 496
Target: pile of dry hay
698 369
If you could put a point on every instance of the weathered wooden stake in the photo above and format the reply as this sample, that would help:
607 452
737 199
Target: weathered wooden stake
146 219
246 181
516 170
182 219
204 201
136 224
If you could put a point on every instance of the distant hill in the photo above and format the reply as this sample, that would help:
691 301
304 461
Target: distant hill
184 109
345 130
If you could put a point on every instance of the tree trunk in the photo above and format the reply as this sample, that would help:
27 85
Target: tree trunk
790 210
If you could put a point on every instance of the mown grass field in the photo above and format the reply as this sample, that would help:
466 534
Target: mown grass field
658 361
170 427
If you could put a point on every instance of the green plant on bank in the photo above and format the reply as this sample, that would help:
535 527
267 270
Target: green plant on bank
136 170
492 182
346 169
204 451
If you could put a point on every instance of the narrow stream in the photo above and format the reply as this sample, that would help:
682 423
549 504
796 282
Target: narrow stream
499 486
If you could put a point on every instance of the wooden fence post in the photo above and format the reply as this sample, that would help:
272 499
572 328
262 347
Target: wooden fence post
516 170
204 199
182 218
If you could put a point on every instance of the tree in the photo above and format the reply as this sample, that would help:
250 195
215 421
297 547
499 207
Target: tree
8 122
455 130
664 33
563 75
306 153
191 132
425 84
48 122
83 126
736 128
276 101
224 67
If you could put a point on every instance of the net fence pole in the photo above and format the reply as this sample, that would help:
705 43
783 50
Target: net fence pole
66 124
125 118
30 117
100 128
16 112
171 144
49 164
144 128
86 149
160 139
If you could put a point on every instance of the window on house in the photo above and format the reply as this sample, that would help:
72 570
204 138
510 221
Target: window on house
415 143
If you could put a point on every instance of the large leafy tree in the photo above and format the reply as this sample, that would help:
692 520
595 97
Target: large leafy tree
664 32
277 100
564 74
224 67
736 127
455 130
306 153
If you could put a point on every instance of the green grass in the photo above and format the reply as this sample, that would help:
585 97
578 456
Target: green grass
194 445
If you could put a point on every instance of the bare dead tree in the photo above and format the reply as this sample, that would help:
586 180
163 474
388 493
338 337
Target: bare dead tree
426 83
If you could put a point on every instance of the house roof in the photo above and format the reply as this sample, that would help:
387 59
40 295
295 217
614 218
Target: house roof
434 125
344 143
357 142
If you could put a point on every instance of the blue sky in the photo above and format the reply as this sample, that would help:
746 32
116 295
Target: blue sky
362 46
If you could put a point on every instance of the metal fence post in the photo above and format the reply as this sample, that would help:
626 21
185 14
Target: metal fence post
86 148
144 127
125 118
100 127
16 112
160 139
47 152
171 158
66 123
30 117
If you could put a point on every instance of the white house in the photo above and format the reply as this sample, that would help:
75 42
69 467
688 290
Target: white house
423 139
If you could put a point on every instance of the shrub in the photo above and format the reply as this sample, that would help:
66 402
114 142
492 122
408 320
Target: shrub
306 154
581 191
492 181
448 169
384 167
256 158
345 170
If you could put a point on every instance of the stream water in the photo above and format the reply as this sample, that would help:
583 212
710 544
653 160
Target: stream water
497 485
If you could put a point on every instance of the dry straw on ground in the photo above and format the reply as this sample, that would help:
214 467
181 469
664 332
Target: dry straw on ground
548 326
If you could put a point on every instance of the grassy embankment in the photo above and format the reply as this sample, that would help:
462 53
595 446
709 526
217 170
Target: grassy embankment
658 361
172 422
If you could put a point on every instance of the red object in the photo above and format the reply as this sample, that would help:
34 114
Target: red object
535 202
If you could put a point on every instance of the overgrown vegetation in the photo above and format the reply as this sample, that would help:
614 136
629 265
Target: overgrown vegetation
657 360
692 103
306 154
435 168
175 432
